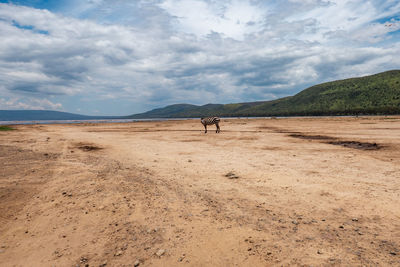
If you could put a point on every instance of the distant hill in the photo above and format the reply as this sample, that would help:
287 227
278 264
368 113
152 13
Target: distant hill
35 115
165 112
369 95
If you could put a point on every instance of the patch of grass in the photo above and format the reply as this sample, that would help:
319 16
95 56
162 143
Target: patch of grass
6 128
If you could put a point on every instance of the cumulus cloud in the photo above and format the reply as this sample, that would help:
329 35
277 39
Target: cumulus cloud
30 103
233 19
129 56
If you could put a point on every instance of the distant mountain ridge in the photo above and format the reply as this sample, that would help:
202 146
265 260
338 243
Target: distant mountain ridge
377 94
36 115
370 95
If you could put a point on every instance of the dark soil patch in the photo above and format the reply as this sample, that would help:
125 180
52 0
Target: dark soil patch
88 147
248 138
231 175
270 148
312 137
357 145
338 142
287 132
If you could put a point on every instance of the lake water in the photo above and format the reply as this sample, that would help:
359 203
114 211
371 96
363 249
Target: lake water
84 121
156 119
110 120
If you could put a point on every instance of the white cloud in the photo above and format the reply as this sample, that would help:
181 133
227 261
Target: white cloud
188 51
233 19
30 103
376 32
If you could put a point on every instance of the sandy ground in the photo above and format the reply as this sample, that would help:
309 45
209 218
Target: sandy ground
263 192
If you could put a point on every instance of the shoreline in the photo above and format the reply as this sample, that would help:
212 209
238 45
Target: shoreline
34 122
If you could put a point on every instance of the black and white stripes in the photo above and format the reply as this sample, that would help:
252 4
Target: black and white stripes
210 121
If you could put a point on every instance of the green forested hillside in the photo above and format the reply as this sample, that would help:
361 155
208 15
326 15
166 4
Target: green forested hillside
375 94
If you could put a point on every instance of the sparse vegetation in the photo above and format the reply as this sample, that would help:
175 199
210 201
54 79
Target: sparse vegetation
6 128
371 95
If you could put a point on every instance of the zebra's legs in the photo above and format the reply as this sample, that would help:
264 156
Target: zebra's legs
205 128
218 129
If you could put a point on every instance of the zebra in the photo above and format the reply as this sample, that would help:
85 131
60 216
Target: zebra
211 121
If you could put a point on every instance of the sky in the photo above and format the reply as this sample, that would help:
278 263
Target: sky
121 57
